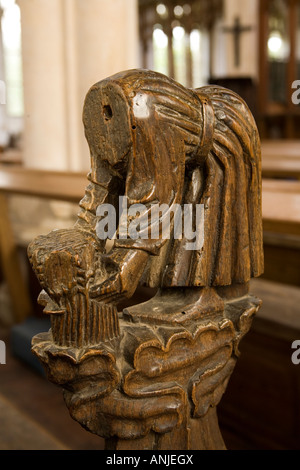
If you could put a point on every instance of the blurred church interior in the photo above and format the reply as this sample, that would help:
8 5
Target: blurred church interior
51 53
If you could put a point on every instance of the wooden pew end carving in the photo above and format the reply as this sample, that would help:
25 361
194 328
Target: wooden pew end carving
150 375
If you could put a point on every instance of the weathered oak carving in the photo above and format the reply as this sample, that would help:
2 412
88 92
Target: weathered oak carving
149 376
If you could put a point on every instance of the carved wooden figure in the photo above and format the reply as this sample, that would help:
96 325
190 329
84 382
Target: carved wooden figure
151 375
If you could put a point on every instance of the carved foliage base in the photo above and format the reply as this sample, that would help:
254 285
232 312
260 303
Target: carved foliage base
154 387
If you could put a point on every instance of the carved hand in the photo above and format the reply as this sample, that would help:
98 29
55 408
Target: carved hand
123 283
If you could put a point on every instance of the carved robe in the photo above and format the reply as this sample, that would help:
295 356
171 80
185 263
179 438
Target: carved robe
158 143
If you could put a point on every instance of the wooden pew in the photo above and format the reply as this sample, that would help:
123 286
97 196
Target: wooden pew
57 185
11 157
52 185
270 402
281 159
265 385
281 206
281 218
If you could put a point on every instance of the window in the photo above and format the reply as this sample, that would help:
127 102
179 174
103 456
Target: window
279 116
12 57
176 37
297 53
278 50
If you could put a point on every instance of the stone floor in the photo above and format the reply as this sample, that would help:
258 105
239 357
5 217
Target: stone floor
33 415
20 432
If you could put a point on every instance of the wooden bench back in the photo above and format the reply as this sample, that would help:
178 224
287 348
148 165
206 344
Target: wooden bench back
281 158
62 186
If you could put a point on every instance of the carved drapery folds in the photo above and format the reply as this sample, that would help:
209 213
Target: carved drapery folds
150 375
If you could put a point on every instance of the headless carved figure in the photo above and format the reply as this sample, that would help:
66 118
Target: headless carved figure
150 376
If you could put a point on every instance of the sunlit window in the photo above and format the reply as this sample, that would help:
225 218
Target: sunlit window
12 58
160 50
199 45
298 42
278 50
179 52
176 36
196 43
